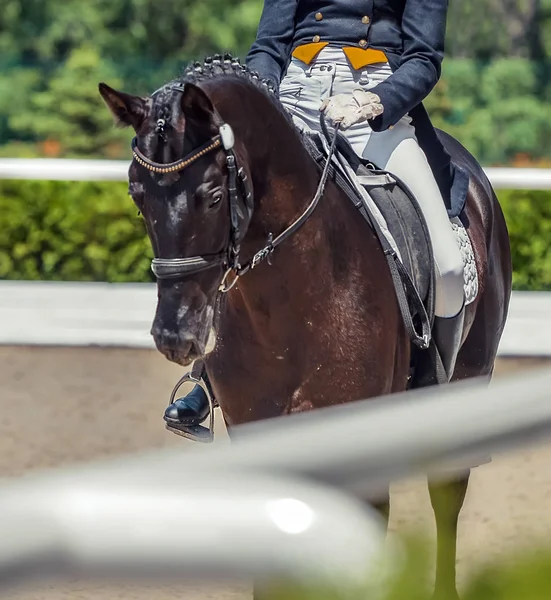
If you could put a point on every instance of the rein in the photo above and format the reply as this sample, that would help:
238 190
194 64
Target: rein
173 268
296 225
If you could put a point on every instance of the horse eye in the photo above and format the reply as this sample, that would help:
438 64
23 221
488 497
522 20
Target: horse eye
216 197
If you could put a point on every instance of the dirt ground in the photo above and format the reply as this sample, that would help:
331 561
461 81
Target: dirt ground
64 405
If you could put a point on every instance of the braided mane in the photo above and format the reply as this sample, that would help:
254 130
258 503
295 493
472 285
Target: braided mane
224 65
220 67
216 67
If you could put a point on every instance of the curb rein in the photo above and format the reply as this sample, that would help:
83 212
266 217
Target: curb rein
174 268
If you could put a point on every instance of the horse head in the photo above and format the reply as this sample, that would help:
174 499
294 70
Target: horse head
190 182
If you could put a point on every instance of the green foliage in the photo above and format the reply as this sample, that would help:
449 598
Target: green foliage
17 86
74 114
528 215
499 111
508 78
525 576
72 231
463 78
487 29
80 231
53 53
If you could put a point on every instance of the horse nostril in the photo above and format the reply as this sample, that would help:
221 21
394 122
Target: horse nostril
165 338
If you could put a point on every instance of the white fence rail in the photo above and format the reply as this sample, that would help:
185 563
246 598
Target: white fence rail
60 169
118 518
117 170
241 524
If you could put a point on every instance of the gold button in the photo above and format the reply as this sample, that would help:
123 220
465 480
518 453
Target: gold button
363 43
316 39
319 16
366 20
391 127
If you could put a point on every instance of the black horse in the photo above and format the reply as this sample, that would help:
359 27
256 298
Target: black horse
320 325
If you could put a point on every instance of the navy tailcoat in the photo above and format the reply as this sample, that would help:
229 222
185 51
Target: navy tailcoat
410 32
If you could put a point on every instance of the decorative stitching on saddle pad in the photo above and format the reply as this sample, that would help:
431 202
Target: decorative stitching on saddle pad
470 273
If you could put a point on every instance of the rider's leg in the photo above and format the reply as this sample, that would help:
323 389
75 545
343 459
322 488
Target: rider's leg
409 163
398 152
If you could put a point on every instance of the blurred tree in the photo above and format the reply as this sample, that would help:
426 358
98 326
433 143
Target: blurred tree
53 52
498 111
485 29
69 114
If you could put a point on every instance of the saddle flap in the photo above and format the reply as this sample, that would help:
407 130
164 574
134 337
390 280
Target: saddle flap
405 225
391 211
385 200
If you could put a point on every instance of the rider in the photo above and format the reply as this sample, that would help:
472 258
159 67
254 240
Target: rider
369 64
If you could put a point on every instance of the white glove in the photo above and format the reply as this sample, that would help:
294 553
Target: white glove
349 109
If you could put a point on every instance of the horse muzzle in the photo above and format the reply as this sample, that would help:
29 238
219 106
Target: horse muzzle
186 342
183 351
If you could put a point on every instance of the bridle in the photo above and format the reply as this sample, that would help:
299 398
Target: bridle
173 268
238 185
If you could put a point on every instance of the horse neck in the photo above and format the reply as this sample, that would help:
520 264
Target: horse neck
280 168
284 176
285 179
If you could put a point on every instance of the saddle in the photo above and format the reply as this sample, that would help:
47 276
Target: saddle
392 211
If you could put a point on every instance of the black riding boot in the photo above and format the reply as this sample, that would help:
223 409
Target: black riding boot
447 334
190 410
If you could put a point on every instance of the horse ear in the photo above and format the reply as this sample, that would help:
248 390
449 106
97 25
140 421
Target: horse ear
129 111
197 107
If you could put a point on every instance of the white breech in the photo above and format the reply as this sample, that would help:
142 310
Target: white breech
303 89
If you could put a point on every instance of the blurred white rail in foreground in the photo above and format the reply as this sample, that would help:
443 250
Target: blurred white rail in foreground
239 525
103 314
253 513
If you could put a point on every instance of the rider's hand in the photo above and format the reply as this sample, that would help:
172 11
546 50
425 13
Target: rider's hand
349 109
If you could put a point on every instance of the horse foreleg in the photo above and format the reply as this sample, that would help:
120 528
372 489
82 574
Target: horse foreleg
447 501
